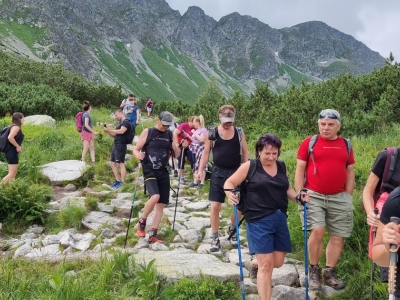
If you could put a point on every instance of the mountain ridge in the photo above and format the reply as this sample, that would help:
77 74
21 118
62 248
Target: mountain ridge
151 49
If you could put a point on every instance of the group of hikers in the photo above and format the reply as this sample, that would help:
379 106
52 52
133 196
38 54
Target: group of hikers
324 179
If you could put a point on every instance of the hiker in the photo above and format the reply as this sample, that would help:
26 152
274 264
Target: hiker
377 190
156 144
182 135
198 139
328 173
387 234
15 138
87 132
149 106
265 208
119 148
126 102
227 159
133 112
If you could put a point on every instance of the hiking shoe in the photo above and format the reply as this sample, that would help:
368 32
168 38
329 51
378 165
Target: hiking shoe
230 232
253 269
175 173
215 245
114 184
118 185
182 181
200 186
314 277
192 185
331 280
141 232
155 239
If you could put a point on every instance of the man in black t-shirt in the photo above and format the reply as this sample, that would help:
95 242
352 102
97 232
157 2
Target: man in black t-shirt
387 234
119 148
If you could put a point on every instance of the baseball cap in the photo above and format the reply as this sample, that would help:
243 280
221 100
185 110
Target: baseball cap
166 118
329 114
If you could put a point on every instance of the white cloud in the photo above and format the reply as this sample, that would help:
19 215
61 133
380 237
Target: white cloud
372 22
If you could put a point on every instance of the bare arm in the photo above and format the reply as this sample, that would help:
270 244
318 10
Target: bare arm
385 235
204 157
368 200
88 127
236 179
140 144
137 116
349 185
11 137
177 132
114 132
245 148
299 174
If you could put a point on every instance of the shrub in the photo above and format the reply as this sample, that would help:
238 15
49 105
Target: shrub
71 216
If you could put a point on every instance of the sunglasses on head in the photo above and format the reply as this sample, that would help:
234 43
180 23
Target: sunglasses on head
328 115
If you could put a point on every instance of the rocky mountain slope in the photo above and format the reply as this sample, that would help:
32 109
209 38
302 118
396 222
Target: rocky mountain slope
150 49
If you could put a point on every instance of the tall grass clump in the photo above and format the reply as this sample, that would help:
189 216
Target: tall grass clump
71 216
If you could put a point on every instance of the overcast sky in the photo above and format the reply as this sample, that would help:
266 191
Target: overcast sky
375 23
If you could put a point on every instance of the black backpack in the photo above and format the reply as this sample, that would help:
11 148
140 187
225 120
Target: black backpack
390 165
4 143
129 134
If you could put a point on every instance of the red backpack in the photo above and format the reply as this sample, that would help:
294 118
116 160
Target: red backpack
78 121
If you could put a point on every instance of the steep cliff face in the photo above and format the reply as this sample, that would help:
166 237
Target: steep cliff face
149 48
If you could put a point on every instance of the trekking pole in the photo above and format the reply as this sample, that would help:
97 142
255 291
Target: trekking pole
393 264
133 201
179 184
371 284
239 250
299 200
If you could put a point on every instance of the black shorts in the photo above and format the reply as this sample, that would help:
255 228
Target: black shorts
218 178
157 182
12 156
118 153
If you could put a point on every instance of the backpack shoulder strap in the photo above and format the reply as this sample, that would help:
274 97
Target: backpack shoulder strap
391 159
252 169
311 145
149 134
240 133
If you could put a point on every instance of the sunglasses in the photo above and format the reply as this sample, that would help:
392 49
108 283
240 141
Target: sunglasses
328 115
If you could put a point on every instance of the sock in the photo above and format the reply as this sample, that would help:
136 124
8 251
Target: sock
215 235
154 231
232 227
142 221
327 267
312 266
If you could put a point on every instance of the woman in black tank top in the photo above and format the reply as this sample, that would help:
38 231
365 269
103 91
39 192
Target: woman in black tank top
264 208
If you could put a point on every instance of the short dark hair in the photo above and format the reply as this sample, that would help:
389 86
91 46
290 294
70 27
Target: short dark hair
268 139
16 118
131 95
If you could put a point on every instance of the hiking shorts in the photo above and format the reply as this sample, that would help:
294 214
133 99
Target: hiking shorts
332 211
149 109
86 136
218 178
118 153
269 234
157 182
12 156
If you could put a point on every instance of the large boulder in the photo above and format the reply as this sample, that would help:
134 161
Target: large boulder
64 170
40 120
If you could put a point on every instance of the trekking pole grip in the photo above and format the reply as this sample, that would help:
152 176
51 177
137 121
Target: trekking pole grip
393 264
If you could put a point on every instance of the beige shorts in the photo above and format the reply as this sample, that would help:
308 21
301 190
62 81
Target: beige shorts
332 211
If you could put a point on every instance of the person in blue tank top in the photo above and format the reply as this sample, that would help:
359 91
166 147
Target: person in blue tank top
265 209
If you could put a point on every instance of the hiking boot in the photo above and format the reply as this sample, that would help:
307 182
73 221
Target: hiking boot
114 184
141 232
215 245
192 185
314 277
253 269
117 185
331 280
232 232
155 239
175 173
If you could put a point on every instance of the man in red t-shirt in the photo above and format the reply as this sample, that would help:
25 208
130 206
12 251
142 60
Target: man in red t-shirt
182 135
329 174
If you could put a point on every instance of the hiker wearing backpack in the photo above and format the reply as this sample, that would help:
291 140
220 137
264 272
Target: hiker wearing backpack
149 106
133 112
229 149
153 149
264 203
87 132
387 240
11 141
383 179
126 102
121 134
198 139
182 138
325 166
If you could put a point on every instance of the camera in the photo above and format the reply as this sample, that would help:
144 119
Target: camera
105 125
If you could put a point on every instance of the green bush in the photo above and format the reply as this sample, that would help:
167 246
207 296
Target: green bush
23 201
71 216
